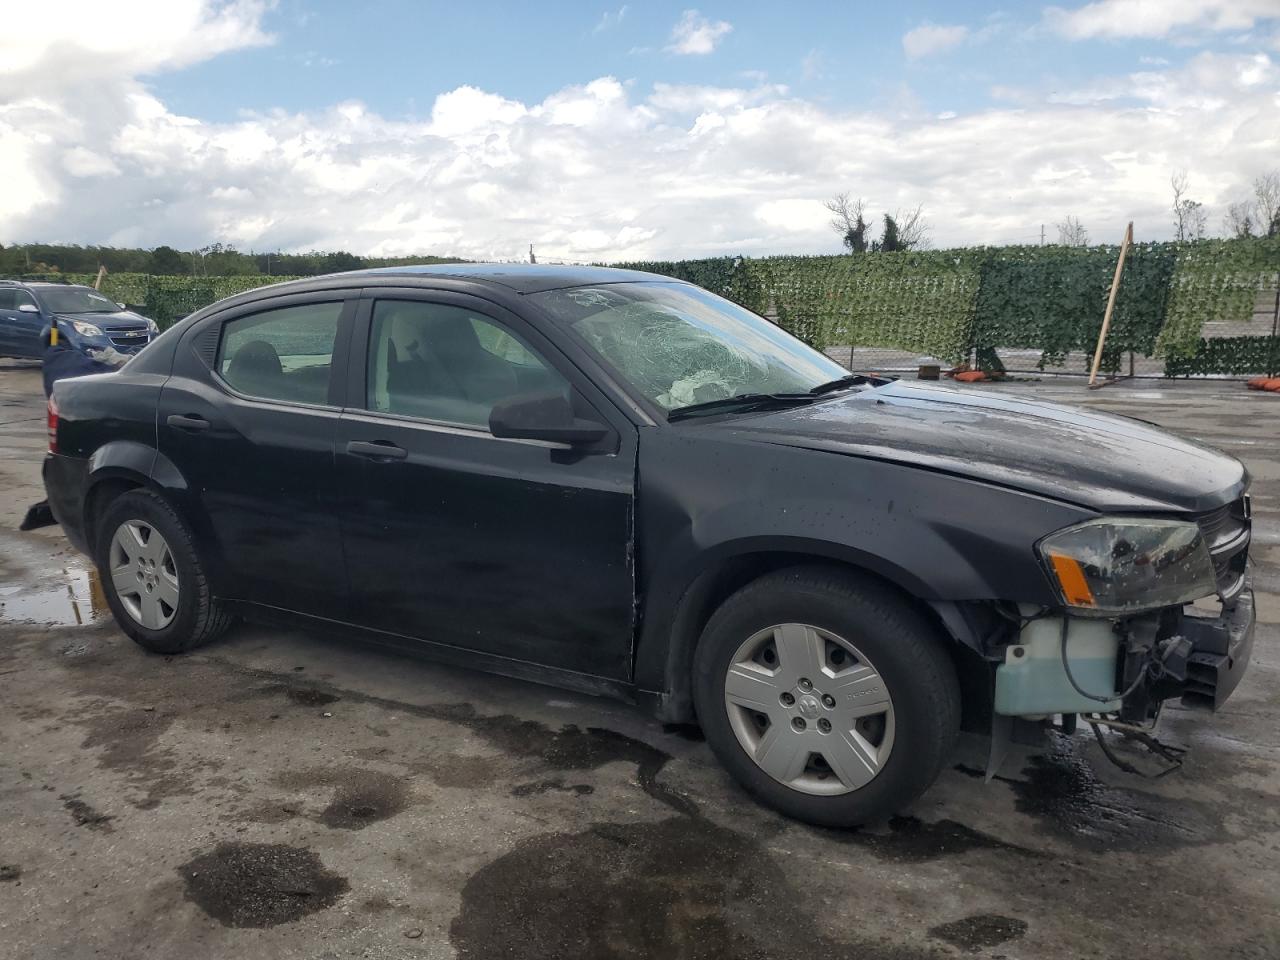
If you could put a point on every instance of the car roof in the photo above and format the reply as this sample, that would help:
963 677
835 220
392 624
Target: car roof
47 283
520 277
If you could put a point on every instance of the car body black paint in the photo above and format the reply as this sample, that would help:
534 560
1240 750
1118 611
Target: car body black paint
1108 463
501 546
941 493
259 479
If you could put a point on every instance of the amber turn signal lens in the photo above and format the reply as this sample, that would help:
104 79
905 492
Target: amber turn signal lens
1075 588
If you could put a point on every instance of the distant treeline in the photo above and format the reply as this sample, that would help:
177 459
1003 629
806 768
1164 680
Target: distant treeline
216 260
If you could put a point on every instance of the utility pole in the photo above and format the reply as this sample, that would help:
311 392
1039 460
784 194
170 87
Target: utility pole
1042 234
532 258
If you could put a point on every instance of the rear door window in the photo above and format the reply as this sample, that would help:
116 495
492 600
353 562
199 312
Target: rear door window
282 354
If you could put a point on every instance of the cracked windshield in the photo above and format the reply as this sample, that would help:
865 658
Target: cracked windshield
680 345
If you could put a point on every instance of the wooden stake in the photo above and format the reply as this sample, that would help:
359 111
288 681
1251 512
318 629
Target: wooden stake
102 272
1111 305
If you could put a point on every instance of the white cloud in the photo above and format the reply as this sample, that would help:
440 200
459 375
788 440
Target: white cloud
610 19
602 170
62 44
930 38
796 214
688 98
695 34
82 162
812 64
1158 18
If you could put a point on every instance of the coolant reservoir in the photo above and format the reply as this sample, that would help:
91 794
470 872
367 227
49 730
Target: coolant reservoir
1031 682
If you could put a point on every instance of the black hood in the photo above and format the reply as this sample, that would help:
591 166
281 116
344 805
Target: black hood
1096 460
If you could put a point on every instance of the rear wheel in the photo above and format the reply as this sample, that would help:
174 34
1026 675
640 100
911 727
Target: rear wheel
826 695
152 575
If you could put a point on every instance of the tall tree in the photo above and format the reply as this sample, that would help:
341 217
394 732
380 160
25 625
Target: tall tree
1071 232
890 241
913 228
907 230
167 261
1189 216
1239 220
848 222
1266 199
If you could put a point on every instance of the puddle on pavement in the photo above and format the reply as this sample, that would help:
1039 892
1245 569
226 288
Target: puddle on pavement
72 597
260 884
980 932
680 887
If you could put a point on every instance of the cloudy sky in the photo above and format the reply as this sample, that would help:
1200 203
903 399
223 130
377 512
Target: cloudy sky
609 131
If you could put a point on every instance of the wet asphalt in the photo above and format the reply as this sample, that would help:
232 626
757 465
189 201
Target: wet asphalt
287 795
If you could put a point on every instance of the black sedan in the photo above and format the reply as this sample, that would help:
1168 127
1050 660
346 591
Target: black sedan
624 484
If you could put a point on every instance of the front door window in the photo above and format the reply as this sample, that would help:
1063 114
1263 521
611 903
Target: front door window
445 363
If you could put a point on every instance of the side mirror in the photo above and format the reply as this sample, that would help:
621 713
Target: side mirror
28 308
543 416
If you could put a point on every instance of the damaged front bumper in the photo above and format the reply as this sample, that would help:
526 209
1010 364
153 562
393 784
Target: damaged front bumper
1220 648
1139 663
1060 665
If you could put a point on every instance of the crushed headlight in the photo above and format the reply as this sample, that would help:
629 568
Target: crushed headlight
1110 567
86 329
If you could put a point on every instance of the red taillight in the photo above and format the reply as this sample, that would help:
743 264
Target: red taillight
53 426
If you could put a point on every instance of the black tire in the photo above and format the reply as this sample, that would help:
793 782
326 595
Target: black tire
198 617
906 650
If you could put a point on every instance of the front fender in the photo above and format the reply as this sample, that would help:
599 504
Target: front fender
707 500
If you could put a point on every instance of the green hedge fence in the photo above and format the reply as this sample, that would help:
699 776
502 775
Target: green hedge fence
953 303
945 303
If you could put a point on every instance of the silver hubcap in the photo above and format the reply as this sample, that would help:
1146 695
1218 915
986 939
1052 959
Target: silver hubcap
809 709
144 574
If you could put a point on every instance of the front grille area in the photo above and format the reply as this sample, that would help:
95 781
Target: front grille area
1227 531
129 339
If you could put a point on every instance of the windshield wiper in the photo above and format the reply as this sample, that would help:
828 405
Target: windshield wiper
848 380
741 401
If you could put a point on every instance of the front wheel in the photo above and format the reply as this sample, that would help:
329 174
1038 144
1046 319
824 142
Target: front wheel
826 695
152 575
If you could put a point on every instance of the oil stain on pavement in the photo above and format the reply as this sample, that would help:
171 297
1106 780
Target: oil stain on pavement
682 887
85 815
359 802
980 932
300 696
358 796
551 785
912 840
260 884
1061 791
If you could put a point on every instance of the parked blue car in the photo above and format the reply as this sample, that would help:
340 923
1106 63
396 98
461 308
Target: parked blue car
87 320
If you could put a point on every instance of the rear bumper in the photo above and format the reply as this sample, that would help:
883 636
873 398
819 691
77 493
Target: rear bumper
1221 648
65 479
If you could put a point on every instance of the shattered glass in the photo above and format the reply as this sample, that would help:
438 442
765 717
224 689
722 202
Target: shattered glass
680 345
